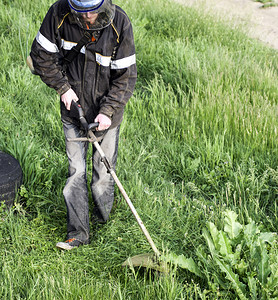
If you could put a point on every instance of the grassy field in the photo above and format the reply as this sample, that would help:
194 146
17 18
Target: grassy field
199 139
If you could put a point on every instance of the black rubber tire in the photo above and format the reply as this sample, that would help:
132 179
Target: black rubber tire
10 178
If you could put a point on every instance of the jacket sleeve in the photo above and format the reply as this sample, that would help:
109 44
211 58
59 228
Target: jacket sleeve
45 54
123 73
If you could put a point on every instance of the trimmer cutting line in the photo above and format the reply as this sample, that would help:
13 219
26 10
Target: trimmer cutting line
148 260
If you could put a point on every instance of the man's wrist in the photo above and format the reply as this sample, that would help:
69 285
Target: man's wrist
106 112
63 89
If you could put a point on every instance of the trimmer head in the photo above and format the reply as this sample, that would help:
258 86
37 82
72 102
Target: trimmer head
147 260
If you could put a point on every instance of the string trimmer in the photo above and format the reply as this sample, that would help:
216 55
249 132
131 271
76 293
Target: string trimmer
148 260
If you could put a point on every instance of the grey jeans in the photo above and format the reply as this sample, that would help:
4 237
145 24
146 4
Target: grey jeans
102 184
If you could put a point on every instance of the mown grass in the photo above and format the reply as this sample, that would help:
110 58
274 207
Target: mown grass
199 136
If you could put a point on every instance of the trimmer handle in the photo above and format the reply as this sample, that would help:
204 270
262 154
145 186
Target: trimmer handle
77 107
83 121
93 126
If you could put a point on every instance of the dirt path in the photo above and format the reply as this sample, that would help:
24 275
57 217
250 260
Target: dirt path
260 23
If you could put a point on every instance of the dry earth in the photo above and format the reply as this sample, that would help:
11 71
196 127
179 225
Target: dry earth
260 23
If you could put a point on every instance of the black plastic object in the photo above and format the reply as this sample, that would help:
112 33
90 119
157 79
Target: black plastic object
93 126
77 111
10 178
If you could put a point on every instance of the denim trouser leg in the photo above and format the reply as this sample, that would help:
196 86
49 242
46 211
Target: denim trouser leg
75 191
102 184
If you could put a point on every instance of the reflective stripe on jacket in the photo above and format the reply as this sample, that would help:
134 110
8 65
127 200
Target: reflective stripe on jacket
103 74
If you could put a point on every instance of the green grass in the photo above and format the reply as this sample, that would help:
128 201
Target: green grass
267 3
199 136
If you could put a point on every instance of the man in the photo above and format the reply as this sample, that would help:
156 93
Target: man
100 73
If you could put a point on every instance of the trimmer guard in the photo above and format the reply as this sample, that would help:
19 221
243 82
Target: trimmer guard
147 260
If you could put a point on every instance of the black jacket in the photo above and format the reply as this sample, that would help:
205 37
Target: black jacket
103 74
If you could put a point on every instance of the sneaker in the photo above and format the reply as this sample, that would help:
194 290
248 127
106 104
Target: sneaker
69 244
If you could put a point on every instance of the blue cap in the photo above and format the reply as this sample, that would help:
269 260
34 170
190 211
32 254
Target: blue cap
85 5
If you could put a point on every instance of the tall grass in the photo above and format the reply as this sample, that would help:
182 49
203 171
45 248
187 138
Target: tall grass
199 135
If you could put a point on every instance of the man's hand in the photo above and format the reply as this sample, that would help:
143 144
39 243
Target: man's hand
104 122
67 97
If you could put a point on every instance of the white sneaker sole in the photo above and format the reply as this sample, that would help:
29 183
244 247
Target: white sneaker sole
64 246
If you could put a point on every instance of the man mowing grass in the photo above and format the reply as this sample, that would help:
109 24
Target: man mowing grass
85 51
